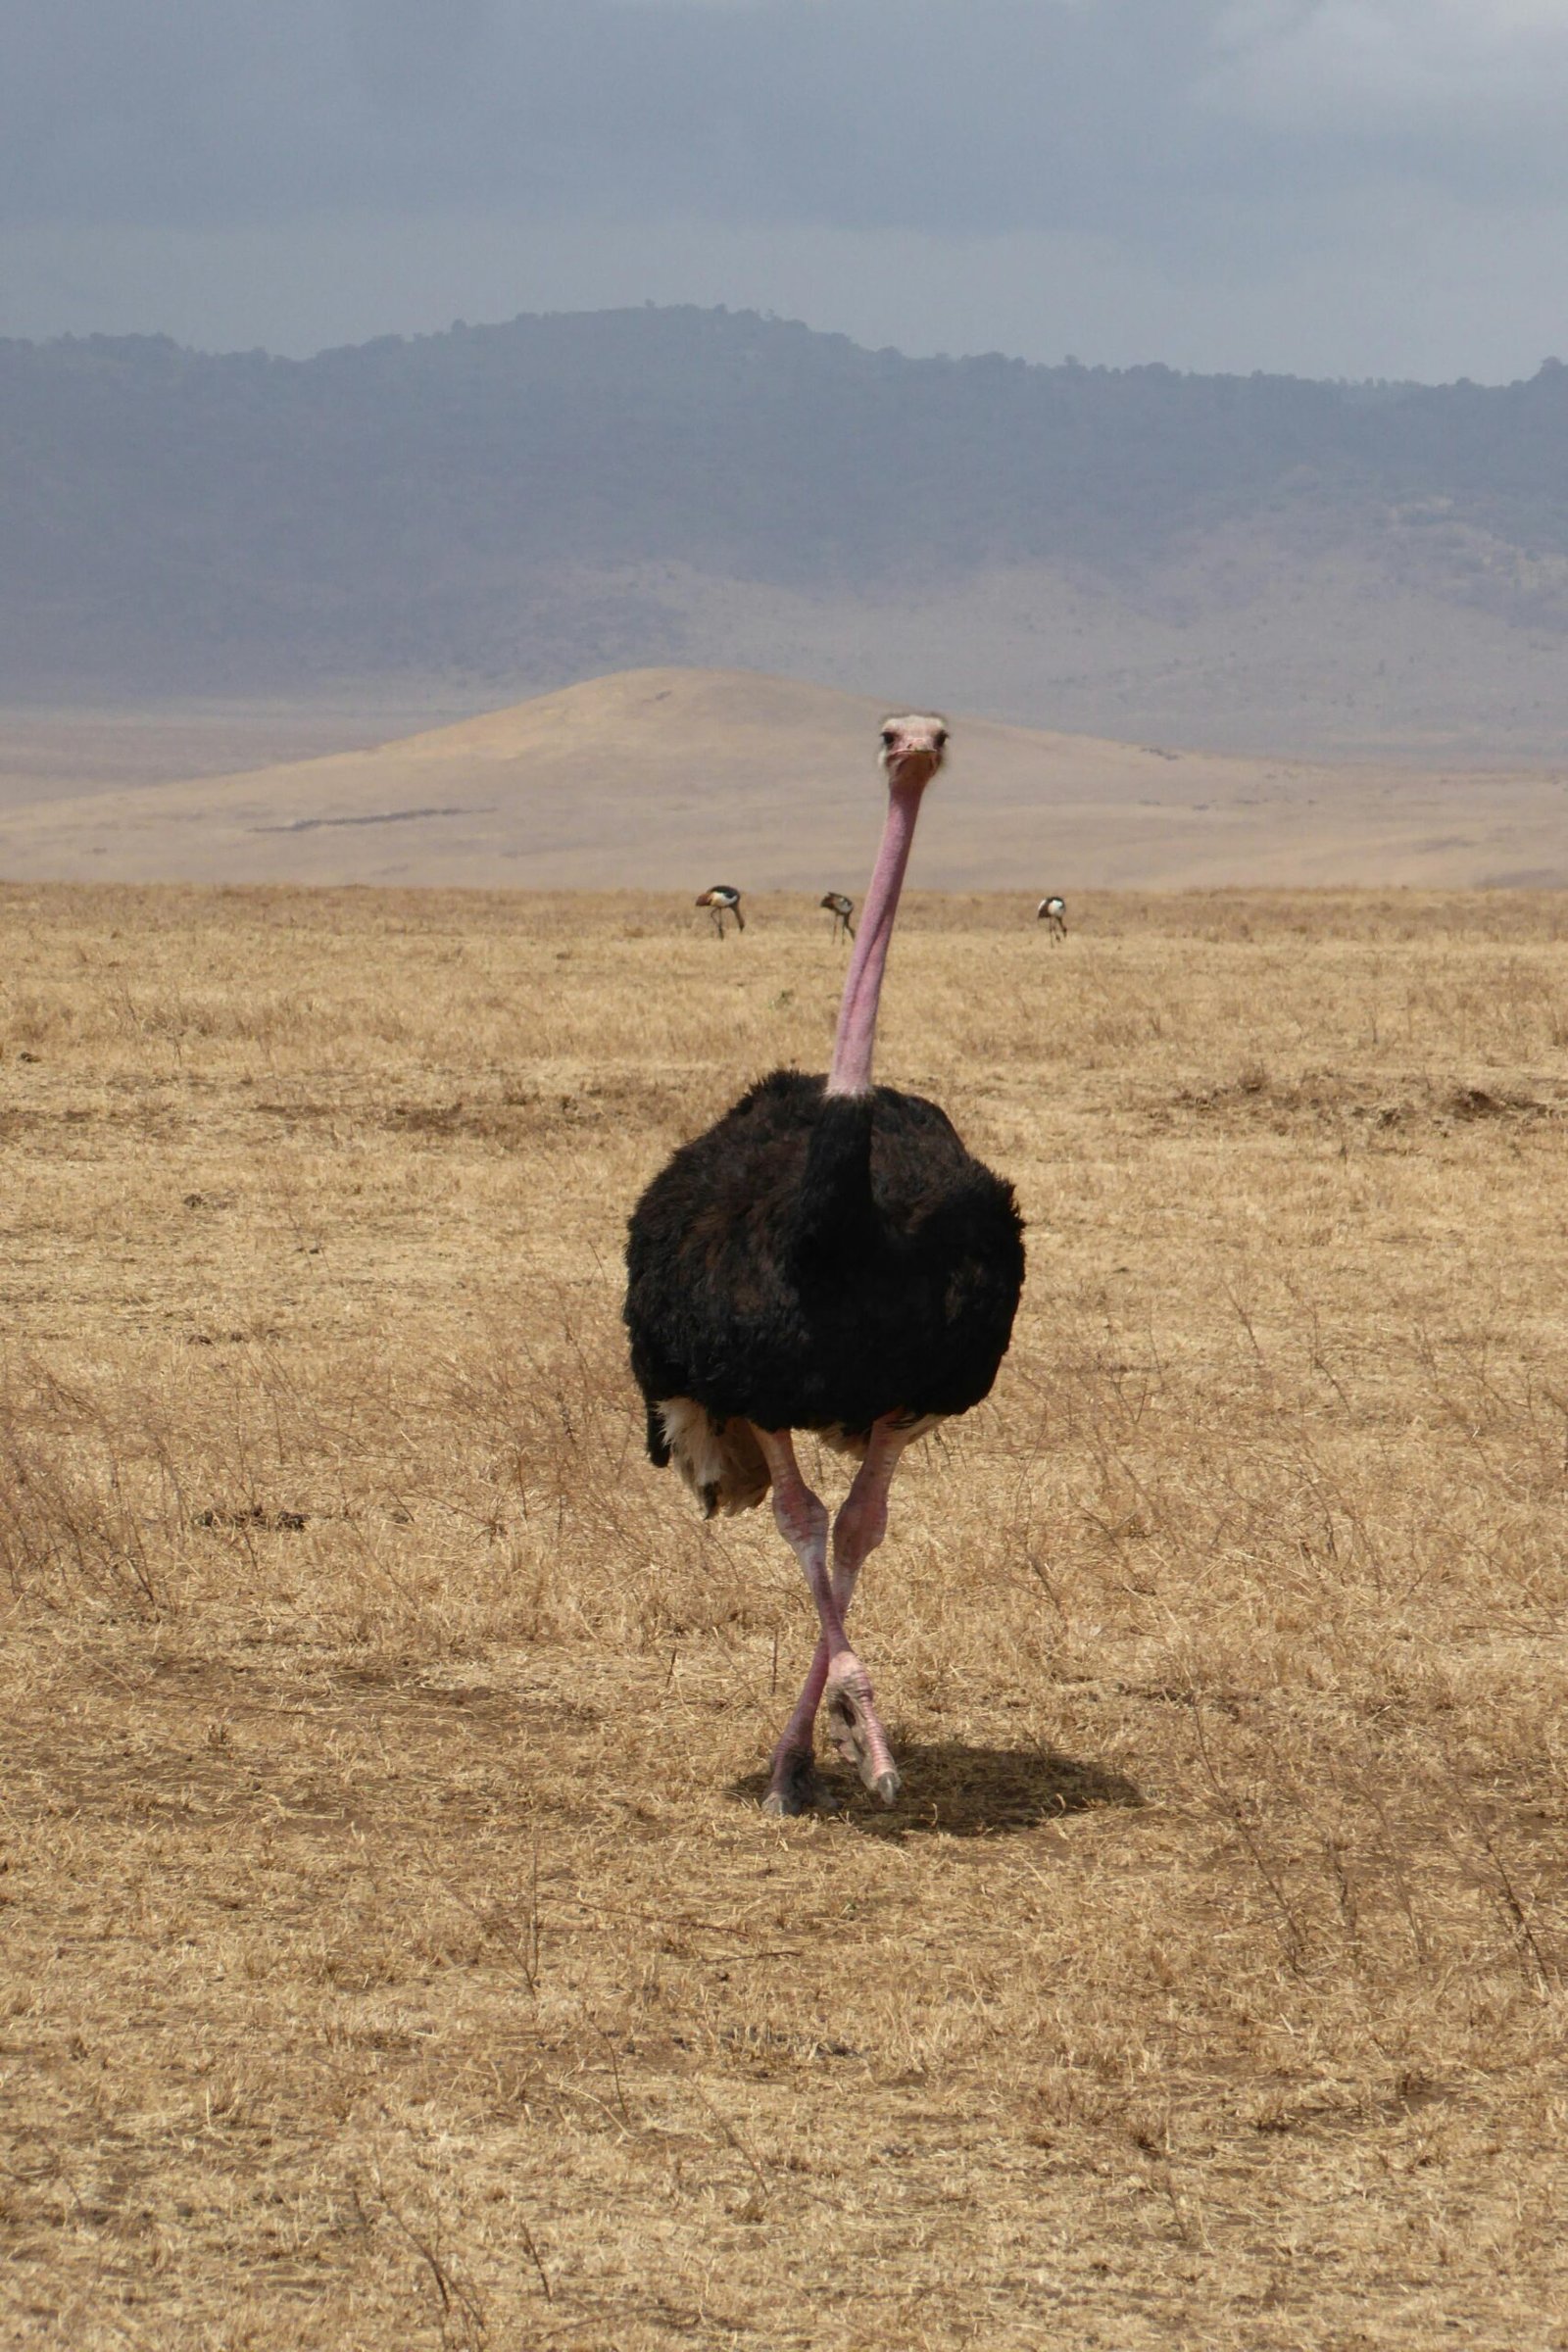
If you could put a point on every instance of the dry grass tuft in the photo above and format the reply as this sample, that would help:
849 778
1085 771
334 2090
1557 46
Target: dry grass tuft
393 1950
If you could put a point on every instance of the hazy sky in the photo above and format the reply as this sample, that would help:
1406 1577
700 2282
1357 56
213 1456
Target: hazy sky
1332 187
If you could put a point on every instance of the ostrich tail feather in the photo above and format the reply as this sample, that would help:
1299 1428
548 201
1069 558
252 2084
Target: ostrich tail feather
721 1460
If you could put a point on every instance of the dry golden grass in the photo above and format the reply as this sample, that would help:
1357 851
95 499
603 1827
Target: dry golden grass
393 1952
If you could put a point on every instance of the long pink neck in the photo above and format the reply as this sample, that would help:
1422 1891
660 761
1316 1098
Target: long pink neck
856 1039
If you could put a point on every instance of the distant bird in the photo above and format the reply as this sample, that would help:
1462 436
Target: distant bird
1052 912
842 910
723 898
828 1257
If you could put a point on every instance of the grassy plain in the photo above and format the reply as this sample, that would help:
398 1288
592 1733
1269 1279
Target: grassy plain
391 1950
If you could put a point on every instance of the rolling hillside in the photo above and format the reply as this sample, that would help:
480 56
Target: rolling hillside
673 778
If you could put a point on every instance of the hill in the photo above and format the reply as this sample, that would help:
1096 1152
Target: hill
1243 563
672 778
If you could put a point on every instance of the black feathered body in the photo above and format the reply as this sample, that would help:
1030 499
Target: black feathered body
817 1261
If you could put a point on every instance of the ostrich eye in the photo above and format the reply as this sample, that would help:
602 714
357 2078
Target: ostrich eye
941 739
889 739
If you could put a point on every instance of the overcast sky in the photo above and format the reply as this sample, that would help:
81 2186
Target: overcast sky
1332 187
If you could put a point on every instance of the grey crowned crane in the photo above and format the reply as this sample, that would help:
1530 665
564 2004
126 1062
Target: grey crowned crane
723 898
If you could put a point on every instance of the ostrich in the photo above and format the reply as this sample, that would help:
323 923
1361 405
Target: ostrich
842 910
1052 912
828 1257
723 898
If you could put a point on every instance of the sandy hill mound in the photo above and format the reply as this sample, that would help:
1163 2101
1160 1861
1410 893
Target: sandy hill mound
673 778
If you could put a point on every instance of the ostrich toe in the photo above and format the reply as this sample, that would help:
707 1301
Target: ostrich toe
855 1730
792 1783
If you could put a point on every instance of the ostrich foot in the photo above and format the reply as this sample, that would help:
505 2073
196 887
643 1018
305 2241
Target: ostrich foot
792 1782
854 1730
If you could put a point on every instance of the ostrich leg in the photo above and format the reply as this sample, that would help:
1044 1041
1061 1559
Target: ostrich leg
858 1529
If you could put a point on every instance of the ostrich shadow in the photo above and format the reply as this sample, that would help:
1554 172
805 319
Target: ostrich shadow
959 1790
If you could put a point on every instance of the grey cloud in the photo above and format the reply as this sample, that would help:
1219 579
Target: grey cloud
1126 117
419 54
1469 93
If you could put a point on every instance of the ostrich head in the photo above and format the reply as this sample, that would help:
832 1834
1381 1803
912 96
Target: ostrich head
912 747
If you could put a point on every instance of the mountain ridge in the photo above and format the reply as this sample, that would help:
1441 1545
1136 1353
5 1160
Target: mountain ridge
1245 562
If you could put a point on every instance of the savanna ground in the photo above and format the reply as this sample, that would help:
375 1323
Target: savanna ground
393 1952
